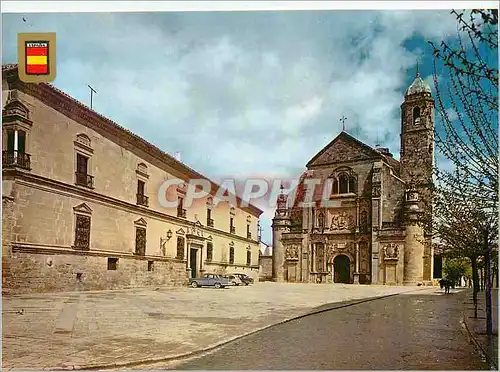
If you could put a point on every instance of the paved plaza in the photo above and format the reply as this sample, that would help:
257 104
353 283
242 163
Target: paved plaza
121 328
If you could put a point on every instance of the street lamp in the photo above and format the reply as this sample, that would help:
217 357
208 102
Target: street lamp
164 241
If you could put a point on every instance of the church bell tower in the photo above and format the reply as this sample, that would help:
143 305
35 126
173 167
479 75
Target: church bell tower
417 155
281 224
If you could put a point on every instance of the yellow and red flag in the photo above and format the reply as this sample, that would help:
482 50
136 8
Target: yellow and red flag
37 57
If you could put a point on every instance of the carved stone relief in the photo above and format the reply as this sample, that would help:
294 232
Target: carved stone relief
391 251
292 252
341 221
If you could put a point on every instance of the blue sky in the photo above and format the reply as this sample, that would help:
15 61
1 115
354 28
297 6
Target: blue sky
243 94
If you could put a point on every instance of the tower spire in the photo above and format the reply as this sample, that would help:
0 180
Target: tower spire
418 73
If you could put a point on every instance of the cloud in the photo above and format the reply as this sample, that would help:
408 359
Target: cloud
241 93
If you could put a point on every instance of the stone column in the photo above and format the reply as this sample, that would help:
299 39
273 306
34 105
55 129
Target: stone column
188 260
16 144
280 225
414 245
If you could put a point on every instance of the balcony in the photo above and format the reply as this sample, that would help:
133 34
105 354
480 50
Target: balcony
249 235
15 159
181 213
210 222
142 200
232 229
84 179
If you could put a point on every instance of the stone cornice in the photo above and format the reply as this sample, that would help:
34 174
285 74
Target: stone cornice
82 114
53 185
32 248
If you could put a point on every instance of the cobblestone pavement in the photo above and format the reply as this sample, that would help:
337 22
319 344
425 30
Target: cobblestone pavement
477 326
90 329
417 331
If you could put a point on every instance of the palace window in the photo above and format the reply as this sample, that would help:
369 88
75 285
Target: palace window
16 127
84 152
142 199
112 263
210 221
231 255
181 212
180 247
232 229
83 178
249 258
82 232
140 241
16 147
210 251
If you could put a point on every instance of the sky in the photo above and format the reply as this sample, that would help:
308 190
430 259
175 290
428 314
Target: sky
243 94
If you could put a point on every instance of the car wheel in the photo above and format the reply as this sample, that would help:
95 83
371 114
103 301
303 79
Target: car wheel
217 285
246 283
194 284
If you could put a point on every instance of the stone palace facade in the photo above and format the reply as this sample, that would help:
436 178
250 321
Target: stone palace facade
80 206
368 233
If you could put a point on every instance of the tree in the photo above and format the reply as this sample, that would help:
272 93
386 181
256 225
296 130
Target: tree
468 103
468 107
455 269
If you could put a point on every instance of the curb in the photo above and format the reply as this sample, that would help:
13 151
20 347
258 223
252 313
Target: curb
331 306
489 359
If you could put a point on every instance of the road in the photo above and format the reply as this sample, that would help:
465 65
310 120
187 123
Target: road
403 332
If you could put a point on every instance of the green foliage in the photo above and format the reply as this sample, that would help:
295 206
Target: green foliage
454 269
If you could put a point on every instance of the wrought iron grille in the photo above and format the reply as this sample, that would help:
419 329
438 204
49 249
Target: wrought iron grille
84 179
210 251
16 159
140 241
82 232
180 247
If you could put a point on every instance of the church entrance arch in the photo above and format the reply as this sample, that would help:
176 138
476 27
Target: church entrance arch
342 272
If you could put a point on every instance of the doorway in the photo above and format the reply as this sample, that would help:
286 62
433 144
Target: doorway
193 264
342 269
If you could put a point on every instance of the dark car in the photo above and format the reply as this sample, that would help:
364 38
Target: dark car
244 278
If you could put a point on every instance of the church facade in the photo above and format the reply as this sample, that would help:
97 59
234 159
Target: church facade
356 211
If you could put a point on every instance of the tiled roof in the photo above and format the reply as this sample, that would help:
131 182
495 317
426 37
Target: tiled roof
8 67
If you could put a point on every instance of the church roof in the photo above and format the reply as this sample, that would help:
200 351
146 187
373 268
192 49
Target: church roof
344 148
418 86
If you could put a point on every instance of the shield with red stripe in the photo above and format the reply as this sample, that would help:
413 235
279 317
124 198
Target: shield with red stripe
37 57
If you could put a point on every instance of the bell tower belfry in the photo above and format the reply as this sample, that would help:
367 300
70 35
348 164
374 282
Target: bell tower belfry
281 224
417 153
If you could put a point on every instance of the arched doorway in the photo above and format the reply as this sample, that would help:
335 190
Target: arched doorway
342 269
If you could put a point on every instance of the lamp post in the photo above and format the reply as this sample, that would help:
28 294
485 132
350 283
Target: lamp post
165 241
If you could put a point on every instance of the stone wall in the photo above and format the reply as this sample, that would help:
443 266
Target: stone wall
28 272
266 268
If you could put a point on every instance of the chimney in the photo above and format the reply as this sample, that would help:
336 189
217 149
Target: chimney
177 156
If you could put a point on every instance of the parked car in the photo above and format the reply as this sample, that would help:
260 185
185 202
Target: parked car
209 280
244 278
234 279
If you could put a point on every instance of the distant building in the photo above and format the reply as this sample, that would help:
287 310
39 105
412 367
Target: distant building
80 204
369 233
265 262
